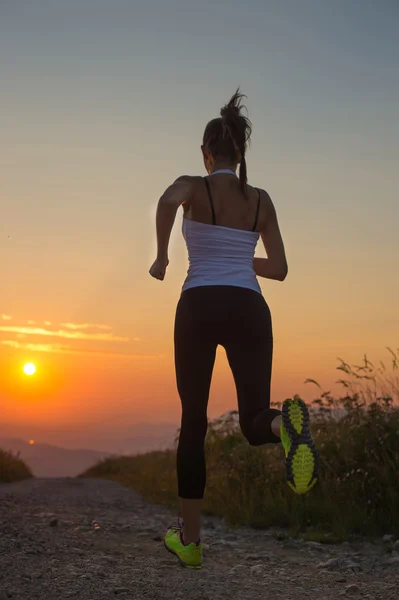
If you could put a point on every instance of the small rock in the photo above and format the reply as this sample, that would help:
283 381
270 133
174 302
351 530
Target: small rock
396 544
121 590
53 523
394 560
388 538
257 569
334 564
315 546
263 556
352 589
236 568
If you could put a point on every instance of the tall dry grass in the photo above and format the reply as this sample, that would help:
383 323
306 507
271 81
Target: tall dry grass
12 468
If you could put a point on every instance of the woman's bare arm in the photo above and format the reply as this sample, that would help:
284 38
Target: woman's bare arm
176 194
275 265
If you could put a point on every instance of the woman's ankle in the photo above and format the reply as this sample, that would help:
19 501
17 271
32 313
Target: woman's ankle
187 541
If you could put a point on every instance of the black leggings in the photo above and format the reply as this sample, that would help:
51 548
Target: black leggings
239 320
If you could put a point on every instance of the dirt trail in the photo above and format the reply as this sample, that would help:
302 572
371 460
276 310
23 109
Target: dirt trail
91 539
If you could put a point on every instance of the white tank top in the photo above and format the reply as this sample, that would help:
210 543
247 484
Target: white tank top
219 255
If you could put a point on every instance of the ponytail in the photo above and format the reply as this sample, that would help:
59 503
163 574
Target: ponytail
229 135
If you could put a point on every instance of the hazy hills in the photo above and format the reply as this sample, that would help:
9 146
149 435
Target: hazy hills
51 460
57 456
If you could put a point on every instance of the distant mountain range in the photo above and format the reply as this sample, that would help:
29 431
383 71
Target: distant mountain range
51 461
118 438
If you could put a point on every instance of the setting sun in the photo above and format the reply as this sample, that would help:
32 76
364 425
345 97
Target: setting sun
29 369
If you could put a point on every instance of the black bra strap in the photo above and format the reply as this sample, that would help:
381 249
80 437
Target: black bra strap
257 211
210 200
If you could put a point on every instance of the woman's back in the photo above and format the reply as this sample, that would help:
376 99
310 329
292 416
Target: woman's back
232 208
221 232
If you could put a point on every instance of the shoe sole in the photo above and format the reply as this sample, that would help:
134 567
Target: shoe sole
302 461
195 567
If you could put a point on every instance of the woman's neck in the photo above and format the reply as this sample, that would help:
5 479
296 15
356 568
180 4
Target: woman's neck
218 166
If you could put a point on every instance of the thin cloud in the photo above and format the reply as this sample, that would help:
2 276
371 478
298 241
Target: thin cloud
6 317
36 347
62 349
73 335
85 326
97 333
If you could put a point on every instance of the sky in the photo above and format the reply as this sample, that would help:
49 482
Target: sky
103 105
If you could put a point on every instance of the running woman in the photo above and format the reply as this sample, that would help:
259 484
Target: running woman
222 303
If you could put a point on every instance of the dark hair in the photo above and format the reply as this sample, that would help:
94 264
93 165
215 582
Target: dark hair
230 133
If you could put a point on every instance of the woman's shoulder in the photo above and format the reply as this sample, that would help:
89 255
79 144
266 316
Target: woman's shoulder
264 197
192 179
188 185
191 184
263 193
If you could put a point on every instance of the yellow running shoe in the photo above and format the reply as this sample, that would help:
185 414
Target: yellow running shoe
190 556
302 460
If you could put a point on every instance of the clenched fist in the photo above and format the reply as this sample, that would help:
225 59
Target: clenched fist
158 268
